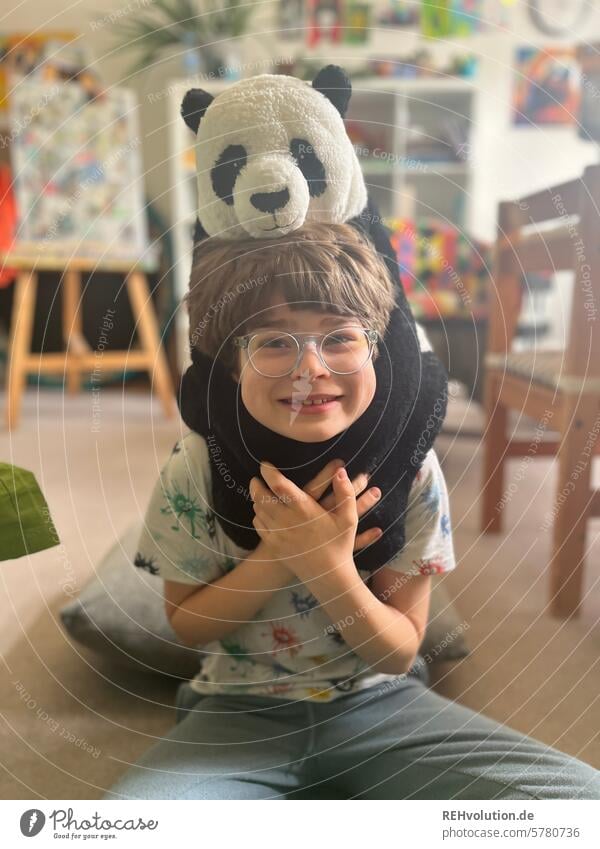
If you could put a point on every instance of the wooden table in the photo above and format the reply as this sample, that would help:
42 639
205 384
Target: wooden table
78 356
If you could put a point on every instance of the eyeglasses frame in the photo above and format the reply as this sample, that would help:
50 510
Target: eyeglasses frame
243 342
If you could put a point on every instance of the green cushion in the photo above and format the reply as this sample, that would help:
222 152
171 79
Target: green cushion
25 522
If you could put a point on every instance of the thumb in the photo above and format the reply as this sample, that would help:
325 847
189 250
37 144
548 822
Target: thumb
345 497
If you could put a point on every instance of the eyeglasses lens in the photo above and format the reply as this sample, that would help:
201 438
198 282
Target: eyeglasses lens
274 354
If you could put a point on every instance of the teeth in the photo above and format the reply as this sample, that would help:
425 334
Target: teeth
311 403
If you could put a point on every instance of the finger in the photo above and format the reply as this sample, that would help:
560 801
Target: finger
264 501
345 497
261 523
258 490
317 486
263 534
283 487
359 483
367 500
366 538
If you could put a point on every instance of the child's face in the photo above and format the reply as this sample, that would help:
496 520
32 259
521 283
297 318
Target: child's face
265 397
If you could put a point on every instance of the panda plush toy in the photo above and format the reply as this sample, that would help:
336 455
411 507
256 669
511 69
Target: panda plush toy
272 153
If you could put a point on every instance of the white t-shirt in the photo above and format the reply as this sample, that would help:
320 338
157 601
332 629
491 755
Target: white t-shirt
291 649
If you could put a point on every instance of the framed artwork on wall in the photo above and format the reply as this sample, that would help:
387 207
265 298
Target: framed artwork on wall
324 22
357 17
545 87
45 56
77 170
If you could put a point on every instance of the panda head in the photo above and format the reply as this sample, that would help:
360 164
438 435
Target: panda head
272 152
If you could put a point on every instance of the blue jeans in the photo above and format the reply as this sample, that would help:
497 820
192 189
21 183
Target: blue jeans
392 741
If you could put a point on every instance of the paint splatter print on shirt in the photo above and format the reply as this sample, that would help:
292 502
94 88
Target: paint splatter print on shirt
291 649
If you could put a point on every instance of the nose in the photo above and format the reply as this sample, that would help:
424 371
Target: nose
309 362
270 201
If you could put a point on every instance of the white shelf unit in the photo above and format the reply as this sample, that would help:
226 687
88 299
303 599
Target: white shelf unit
401 183
415 154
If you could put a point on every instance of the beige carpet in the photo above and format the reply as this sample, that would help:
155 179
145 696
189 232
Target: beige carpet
69 724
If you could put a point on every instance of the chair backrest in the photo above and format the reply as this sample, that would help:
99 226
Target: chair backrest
569 239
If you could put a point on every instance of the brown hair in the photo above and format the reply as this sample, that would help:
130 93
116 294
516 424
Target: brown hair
332 266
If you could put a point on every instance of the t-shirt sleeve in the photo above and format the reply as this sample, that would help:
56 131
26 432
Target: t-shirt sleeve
428 548
179 541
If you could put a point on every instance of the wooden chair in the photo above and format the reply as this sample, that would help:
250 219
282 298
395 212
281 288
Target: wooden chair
78 357
559 389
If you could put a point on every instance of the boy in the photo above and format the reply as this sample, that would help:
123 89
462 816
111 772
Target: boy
297 641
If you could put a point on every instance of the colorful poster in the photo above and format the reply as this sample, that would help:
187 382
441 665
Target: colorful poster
357 17
324 21
440 18
436 20
77 170
466 17
400 13
443 272
45 57
545 91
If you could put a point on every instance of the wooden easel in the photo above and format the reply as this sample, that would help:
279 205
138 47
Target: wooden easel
78 356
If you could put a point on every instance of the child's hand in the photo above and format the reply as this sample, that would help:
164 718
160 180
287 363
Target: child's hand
297 530
317 486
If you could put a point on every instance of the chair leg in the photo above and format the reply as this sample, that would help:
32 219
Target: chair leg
20 343
572 505
147 326
494 445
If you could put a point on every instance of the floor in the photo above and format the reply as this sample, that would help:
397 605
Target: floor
70 724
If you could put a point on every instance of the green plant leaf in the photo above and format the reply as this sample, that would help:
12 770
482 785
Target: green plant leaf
182 23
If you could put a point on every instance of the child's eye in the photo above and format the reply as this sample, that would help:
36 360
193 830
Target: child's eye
338 339
277 343
272 342
348 338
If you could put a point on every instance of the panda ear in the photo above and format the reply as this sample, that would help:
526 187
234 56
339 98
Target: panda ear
334 83
194 105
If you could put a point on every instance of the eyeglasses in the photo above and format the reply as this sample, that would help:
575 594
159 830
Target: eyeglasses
275 353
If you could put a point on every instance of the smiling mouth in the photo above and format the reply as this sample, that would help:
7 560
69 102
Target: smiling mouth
325 401
279 226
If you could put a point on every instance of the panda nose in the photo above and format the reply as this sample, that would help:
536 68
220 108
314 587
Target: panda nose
270 201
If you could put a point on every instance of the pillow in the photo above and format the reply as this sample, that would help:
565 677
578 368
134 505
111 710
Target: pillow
120 614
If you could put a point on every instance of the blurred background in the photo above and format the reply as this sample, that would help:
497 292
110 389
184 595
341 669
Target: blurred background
457 106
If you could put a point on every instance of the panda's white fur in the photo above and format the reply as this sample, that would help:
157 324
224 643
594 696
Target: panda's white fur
263 114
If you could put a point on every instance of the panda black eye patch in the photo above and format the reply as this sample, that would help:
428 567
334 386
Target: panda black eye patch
225 171
310 165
